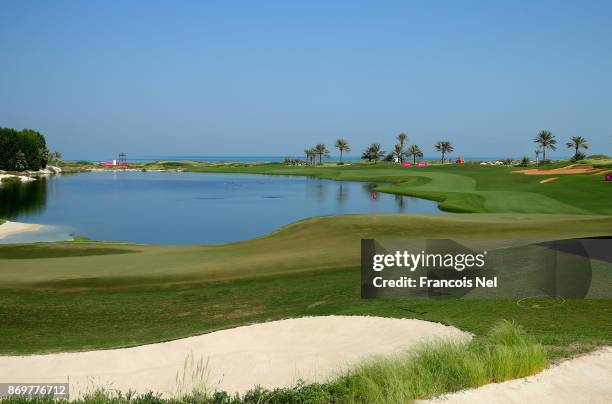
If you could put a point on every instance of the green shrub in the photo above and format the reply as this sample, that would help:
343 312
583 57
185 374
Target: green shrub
578 157
22 150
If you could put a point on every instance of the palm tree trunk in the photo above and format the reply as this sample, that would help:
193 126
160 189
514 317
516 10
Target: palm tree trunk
340 155
543 153
414 159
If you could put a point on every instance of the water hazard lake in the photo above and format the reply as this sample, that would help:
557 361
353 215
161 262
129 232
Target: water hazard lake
185 208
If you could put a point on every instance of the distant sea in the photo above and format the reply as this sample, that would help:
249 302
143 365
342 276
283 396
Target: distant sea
254 159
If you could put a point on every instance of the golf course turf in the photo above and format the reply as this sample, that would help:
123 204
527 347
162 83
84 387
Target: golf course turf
89 295
86 295
136 294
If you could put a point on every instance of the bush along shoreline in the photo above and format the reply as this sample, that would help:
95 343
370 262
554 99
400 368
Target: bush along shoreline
23 154
432 369
22 150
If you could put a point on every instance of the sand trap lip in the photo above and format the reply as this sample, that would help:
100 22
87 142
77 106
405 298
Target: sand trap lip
555 171
581 380
549 180
11 228
273 354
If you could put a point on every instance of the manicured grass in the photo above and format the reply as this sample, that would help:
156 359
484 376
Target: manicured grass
44 251
68 302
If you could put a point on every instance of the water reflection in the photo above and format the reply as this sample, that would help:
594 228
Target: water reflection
368 187
22 198
400 200
189 208
341 194
320 189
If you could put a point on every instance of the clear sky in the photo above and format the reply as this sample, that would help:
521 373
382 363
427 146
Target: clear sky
273 77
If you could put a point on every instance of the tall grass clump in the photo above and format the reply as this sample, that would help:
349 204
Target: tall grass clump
506 352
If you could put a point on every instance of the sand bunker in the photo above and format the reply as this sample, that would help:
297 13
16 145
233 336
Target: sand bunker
582 380
10 228
273 354
549 180
562 170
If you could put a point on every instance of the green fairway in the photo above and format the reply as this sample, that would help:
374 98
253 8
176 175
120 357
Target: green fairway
87 295
458 188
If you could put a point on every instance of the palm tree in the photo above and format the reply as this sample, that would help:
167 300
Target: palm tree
402 138
414 151
310 154
444 147
321 151
313 151
577 143
546 140
399 152
373 152
537 154
343 146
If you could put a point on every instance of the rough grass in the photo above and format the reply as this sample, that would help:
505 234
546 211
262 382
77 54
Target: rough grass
430 370
441 367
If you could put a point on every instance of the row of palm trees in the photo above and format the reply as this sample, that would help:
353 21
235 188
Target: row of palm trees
546 140
374 152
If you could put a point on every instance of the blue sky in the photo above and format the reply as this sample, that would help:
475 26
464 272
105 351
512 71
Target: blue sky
271 78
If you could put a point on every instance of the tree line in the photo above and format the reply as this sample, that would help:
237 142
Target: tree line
22 150
400 152
374 152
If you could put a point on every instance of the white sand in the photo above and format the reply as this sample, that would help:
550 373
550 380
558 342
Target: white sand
273 354
587 379
10 228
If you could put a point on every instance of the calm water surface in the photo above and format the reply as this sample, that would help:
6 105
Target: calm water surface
186 208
